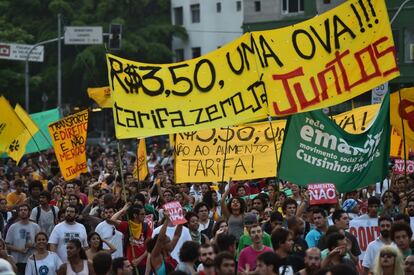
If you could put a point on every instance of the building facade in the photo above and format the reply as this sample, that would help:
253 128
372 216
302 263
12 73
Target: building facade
209 24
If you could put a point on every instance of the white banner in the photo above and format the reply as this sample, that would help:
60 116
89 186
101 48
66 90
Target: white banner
365 230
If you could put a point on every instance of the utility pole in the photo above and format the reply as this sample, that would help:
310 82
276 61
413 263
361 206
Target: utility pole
26 71
59 67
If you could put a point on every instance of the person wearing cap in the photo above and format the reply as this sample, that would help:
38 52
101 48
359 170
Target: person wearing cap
351 207
249 254
250 220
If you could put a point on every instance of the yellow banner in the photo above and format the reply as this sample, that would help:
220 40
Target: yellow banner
141 162
324 61
69 141
199 156
250 149
402 112
102 96
13 134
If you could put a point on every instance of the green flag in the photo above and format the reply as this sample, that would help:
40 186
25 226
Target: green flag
317 150
42 138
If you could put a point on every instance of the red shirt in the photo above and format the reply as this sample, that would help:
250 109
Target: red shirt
139 245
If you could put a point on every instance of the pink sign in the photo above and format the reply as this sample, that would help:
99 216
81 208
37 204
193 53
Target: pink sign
322 193
399 166
176 212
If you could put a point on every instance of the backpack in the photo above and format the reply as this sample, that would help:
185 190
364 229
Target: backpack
38 214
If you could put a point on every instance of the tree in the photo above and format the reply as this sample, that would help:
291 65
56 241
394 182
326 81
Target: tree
147 33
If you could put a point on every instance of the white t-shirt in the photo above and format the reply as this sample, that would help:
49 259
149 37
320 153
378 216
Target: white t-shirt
46 219
46 266
18 236
372 252
185 236
63 232
109 233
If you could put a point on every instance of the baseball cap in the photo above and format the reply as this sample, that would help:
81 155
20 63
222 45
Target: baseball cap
250 219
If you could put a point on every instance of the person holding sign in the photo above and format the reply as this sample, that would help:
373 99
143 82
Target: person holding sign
160 247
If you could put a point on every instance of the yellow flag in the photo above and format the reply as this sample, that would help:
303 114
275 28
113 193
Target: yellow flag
403 112
13 135
102 96
26 119
142 161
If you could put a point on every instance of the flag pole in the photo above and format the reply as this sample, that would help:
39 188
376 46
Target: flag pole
126 201
403 137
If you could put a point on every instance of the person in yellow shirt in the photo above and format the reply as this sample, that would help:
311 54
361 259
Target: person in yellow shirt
17 197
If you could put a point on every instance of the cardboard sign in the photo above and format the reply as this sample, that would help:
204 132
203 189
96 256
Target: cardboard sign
399 166
69 141
322 193
365 230
176 212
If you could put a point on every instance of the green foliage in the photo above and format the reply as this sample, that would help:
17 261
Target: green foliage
147 33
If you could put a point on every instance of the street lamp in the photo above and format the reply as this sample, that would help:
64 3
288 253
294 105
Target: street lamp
59 72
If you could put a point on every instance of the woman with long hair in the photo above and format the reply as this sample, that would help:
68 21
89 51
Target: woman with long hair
160 247
233 211
42 259
389 261
77 263
96 244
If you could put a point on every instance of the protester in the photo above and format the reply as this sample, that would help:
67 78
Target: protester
384 224
77 263
42 260
188 257
337 246
121 266
95 243
401 234
20 237
312 261
321 225
282 241
389 261
44 214
224 264
409 265
102 263
206 257
67 230
268 263
248 255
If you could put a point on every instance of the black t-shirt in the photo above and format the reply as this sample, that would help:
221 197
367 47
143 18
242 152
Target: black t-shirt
296 262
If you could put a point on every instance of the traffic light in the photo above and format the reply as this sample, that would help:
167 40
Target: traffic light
115 36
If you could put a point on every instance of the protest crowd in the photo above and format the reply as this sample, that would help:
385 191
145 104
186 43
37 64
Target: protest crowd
109 222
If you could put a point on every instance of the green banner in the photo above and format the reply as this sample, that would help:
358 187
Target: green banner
324 153
42 137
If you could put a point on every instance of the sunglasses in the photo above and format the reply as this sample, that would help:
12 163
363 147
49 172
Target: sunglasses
388 255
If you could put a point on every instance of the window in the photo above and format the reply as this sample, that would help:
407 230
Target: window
218 7
409 45
293 6
178 16
179 55
196 52
195 13
257 6
238 5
